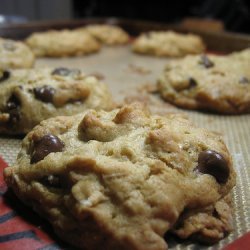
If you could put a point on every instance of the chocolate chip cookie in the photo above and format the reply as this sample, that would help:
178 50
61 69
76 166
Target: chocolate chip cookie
122 179
30 96
168 43
208 82
62 43
107 34
15 54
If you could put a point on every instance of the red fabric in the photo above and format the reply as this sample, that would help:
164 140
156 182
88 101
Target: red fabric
243 243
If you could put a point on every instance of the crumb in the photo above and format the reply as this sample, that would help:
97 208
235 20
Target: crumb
138 69
97 75
148 87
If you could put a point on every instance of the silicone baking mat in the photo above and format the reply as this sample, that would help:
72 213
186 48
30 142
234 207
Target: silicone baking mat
129 75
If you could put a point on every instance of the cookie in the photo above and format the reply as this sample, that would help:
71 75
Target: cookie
15 54
62 43
107 34
208 82
168 43
122 179
29 96
243 55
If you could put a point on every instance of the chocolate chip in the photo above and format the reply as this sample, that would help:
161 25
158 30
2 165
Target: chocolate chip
53 181
5 76
13 109
44 93
244 80
213 163
9 46
192 82
12 103
206 62
44 146
61 71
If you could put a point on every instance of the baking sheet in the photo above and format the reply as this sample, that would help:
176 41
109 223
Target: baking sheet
127 74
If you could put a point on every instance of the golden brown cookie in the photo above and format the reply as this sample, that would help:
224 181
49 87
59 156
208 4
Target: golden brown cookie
122 179
15 54
168 43
243 55
208 82
55 43
29 96
107 34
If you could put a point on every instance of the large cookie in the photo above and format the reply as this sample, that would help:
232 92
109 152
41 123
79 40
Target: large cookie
62 43
168 43
14 54
208 82
122 179
30 96
107 34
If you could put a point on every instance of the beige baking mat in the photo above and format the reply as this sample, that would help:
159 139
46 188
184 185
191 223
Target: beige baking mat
126 73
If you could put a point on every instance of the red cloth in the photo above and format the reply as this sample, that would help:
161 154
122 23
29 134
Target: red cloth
243 243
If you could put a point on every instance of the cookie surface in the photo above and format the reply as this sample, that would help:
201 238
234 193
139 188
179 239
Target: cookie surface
107 34
243 55
30 96
62 43
122 179
15 54
168 43
208 82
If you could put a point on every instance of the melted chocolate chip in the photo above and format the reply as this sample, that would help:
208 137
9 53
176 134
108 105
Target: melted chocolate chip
61 71
46 145
192 82
244 80
213 163
44 93
5 76
53 181
13 108
12 103
206 62
9 46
